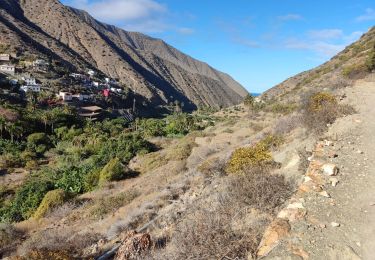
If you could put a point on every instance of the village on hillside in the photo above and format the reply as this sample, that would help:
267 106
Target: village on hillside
33 79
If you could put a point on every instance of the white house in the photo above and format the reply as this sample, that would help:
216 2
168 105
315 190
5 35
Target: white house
40 65
29 81
8 69
95 84
118 90
40 62
91 73
32 88
76 75
81 96
66 96
4 57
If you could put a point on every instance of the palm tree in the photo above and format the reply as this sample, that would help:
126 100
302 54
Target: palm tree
2 125
32 97
18 131
54 115
45 117
11 128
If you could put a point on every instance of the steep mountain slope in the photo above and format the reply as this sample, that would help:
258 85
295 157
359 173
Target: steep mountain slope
149 66
341 71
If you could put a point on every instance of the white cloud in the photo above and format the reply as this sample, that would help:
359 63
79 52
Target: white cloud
369 15
324 43
354 36
322 49
185 31
245 42
135 15
326 34
290 17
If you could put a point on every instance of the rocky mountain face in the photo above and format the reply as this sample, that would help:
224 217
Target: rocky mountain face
355 62
149 66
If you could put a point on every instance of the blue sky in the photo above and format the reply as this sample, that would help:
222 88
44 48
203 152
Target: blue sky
259 43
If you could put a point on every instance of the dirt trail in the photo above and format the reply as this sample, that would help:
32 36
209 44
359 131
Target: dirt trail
364 96
350 204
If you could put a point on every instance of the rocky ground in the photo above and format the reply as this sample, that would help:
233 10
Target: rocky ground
333 217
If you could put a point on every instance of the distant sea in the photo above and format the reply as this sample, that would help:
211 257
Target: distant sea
256 94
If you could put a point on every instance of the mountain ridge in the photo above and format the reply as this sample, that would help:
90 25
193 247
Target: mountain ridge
149 66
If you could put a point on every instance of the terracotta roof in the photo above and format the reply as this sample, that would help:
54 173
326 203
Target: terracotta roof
92 108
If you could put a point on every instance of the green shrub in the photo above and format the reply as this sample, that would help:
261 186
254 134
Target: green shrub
91 180
51 200
28 155
279 108
353 70
38 143
319 100
370 61
73 179
114 170
31 165
151 127
180 124
123 147
249 101
27 199
247 157
272 141
10 160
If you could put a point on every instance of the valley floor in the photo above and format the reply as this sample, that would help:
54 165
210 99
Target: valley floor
351 204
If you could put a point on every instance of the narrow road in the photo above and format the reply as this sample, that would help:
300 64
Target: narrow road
340 225
364 97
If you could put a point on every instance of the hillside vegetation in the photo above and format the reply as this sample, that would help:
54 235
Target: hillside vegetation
210 184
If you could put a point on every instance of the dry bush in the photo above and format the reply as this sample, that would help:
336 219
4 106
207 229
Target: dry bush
59 240
219 228
133 220
212 167
287 124
71 210
322 109
260 189
153 161
108 205
183 149
42 254
178 152
9 235
62 211
208 233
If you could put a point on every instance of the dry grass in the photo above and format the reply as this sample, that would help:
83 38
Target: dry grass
42 254
9 236
59 240
321 110
208 234
222 227
107 205
135 219
177 152
260 189
212 167
287 124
